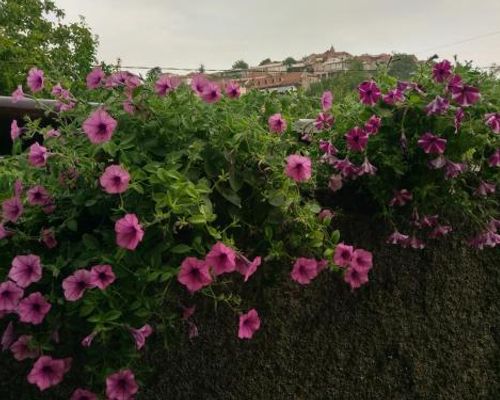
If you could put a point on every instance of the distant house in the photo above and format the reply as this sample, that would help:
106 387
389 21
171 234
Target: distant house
281 82
371 62
272 67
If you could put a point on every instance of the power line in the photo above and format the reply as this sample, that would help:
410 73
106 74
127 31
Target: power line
460 41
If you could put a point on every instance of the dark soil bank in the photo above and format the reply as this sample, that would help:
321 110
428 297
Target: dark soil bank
426 327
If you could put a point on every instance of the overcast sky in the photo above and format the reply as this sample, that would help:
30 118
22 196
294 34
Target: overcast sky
186 33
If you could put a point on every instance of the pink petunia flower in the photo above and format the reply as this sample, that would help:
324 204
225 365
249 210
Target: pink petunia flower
326 101
38 196
324 121
211 93
394 96
438 106
140 335
432 144
459 117
166 83
401 197
33 309
355 278
53 133
453 169
121 385
357 139
415 243
397 238
87 340
246 267
82 394
115 179
298 168
12 209
26 270
373 124
437 163
466 95
493 121
485 188
95 78
440 230
335 183
233 90
15 130
369 93
48 238
99 126
327 147
221 259
325 214
35 79
38 155
367 168
361 260
4 232
198 83
10 295
18 94
305 270
194 274
8 336
494 160
277 124
128 106
249 324
22 350
455 83
441 71
343 255
47 372
75 285
101 276
129 232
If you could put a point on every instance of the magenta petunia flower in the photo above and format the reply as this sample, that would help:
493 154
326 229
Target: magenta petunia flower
121 385
327 147
33 309
361 260
249 324
129 232
233 90
53 133
87 340
415 243
440 230
47 372
198 83
18 94
466 95
493 121
355 278
441 71
324 121
101 276
494 160
246 267
95 78
367 168
10 295
326 101
15 130
455 83
485 189
277 124
115 179
82 394
140 335
373 124
4 232
8 336
26 270
221 258
394 96
211 93
38 196
357 139
298 168
128 106
343 255
369 93
438 106
99 127
22 348
48 238
459 117
325 214
194 274
453 169
38 155
432 144
397 238
305 270
401 197
166 83
35 79
335 183
75 285
12 209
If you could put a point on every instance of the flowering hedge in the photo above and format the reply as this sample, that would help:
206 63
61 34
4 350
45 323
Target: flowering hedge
157 187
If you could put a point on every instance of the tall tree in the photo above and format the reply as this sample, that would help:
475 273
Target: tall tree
240 64
289 61
403 65
265 61
33 33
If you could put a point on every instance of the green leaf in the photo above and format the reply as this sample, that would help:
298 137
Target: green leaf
181 249
229 195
